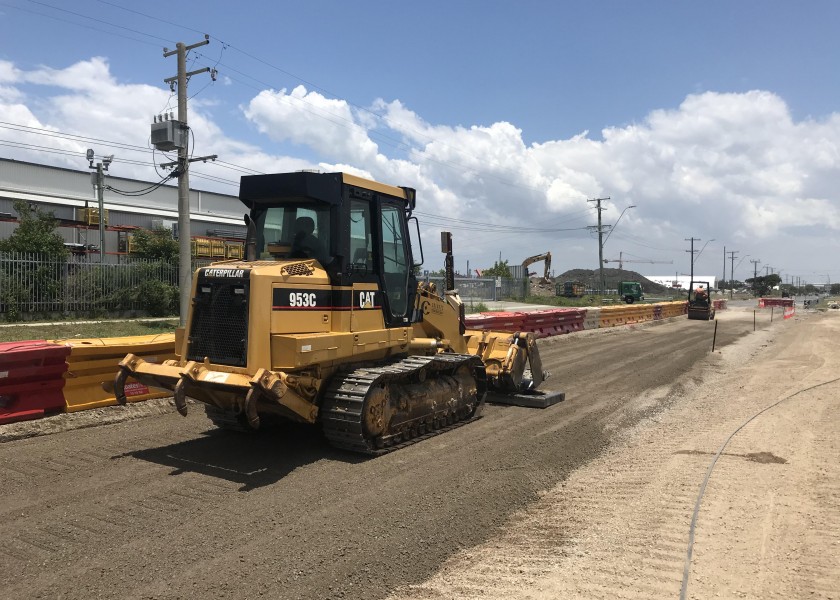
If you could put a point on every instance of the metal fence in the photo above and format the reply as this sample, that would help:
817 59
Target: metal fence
486 289
34 285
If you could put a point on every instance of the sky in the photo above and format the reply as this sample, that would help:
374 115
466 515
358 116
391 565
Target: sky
715 120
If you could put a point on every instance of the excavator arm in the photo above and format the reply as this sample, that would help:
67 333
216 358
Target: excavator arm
546 258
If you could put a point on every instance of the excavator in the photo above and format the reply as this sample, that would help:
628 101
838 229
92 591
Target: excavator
545 280
539 257
324 322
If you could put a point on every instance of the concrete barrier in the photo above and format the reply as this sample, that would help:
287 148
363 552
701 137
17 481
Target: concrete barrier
591 318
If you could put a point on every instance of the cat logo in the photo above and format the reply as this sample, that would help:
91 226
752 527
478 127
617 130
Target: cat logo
367 299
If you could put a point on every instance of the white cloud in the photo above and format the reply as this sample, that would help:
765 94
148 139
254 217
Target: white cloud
734 167
8 72
327 126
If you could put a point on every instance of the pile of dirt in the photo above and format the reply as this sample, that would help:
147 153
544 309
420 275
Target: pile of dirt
590 277
541 288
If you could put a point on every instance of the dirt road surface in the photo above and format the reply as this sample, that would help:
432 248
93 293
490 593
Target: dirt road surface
591 498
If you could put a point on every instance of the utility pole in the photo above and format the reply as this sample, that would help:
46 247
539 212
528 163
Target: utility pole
692 240
600 229
755 275
724 265
732 272
99 184
182 144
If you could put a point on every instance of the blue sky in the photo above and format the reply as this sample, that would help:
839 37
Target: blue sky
717 120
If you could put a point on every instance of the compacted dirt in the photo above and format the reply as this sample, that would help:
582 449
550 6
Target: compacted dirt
590 498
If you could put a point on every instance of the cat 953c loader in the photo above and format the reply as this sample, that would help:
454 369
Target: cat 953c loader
324 322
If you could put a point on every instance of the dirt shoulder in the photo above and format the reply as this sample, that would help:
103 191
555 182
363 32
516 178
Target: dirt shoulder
768 524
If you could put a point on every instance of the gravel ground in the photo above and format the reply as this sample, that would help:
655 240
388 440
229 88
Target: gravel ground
618 527
589 498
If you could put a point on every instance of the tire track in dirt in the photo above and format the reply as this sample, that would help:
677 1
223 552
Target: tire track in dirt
619 525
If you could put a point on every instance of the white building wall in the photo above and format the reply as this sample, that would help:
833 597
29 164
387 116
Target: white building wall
681 281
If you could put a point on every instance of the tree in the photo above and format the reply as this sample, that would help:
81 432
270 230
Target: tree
156 244
499 269
835 289
764 283
36 232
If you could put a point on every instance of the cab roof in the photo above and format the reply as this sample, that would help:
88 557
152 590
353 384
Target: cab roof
321 187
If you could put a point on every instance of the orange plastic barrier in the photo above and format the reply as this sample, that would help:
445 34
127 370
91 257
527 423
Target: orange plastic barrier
626 314
94 361
31 379
674 309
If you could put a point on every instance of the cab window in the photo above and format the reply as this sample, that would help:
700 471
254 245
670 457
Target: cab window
395 264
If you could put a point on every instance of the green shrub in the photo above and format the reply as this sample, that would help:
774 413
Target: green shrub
156 297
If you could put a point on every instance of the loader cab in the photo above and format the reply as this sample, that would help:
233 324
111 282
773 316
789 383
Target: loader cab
357 230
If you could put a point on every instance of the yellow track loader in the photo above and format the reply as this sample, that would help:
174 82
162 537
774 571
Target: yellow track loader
324 322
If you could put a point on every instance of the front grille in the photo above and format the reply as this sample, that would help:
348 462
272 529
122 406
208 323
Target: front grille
219 327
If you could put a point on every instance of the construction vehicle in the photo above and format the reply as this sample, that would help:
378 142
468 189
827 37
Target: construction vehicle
546 258
630 291
545 280
700 307
572 289
324 322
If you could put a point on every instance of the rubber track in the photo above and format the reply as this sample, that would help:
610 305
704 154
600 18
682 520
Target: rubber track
341 408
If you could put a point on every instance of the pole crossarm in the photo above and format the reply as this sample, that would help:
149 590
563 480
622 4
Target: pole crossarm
175 163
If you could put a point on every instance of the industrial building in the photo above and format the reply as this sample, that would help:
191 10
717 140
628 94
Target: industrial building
216 226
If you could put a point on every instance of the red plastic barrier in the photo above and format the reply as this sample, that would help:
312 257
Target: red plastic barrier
505 321
765 302
31 379
555 321
789 312
481 322
719 304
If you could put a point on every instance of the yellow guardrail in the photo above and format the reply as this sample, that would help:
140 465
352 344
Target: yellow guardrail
94 361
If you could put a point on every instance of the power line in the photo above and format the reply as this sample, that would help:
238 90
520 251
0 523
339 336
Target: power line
398 144
83 16
48 16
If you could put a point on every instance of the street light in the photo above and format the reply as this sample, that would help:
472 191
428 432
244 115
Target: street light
616 225
701 250
601 249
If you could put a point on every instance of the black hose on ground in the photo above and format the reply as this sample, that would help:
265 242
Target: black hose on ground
687 569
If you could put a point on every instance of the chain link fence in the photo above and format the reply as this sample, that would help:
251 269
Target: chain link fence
486 289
